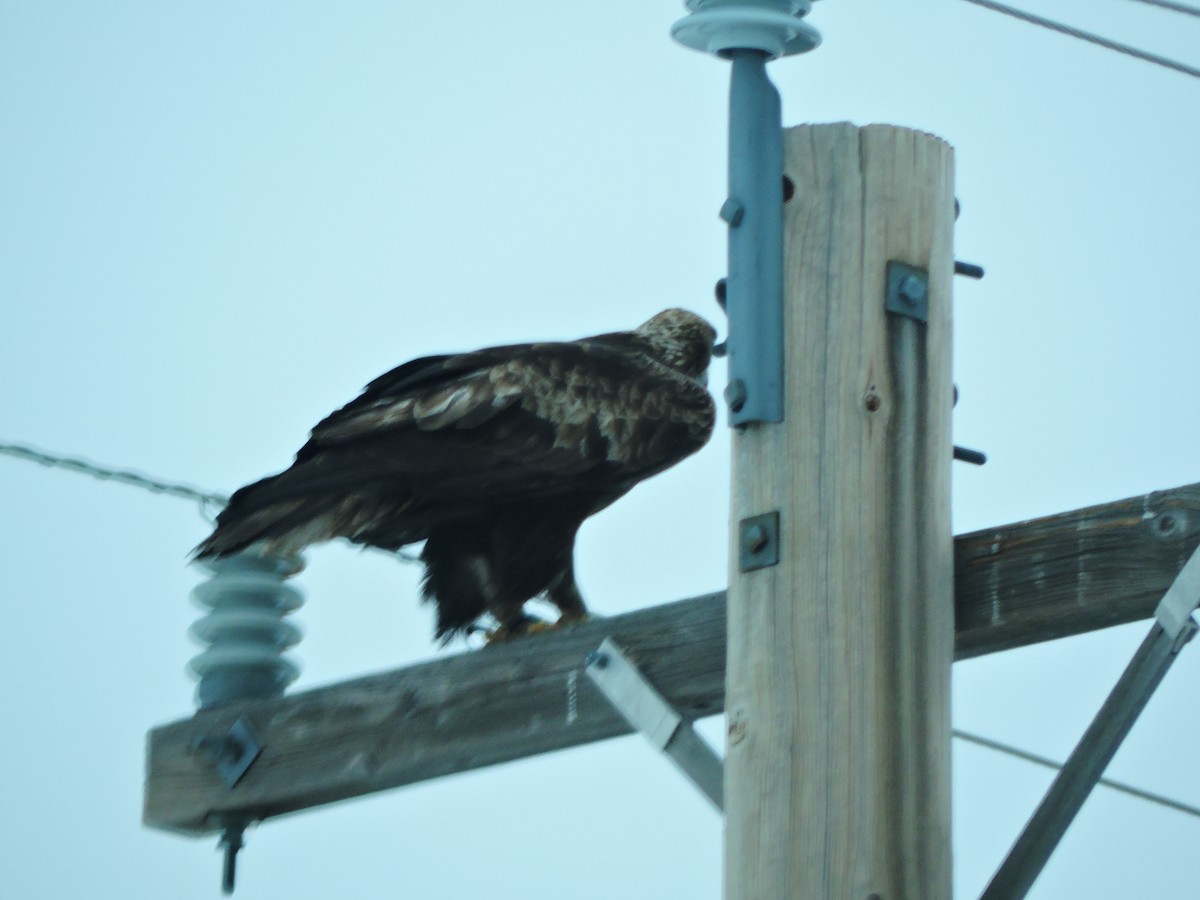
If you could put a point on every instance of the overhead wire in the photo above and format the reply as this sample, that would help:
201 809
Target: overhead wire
1088 36
209 502
204 499
1173 7
1034 758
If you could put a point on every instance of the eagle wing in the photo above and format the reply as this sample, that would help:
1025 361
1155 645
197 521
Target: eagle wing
525 419
438 437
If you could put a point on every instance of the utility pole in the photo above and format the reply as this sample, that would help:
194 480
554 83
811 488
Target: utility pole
847 592
838 671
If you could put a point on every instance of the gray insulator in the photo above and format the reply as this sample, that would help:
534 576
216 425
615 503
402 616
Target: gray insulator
247 599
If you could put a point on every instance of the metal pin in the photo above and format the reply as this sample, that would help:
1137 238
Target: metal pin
968 270
231 840
974 457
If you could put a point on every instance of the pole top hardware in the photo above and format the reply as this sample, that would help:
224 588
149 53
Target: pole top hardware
773 27
907 291
234 752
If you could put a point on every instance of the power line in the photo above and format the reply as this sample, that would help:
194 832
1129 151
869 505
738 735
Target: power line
1174 7
208 501
1089 37
1051 764
205 499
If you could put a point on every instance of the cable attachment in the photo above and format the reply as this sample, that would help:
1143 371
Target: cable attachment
772 27
244 629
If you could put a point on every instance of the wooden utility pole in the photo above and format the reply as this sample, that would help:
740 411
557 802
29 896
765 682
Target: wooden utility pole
837 777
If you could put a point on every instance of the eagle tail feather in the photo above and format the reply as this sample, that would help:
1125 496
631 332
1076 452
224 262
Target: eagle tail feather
257 517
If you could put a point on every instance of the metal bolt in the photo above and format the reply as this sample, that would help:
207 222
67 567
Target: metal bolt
968 270
1168 523
965 454
872 401
721 290
911 290
597 659
732 212
735 394
231 840
756 538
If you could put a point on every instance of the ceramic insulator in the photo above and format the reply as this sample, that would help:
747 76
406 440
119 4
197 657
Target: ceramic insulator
773 27
244 629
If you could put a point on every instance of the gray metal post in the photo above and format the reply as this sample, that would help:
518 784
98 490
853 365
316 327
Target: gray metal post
750 33
645 709
754 213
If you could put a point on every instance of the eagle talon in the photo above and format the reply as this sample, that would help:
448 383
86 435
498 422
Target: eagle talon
507 631
524 626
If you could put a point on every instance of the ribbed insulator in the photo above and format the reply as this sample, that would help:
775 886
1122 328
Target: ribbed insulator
244 629
773 27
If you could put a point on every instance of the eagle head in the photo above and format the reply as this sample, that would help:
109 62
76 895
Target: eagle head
679 339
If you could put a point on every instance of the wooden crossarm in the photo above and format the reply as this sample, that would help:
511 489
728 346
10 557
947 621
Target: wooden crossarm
1014 585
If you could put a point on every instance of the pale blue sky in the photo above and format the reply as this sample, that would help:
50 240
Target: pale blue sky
219 220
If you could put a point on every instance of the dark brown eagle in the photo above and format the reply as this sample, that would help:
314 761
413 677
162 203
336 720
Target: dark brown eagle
493 458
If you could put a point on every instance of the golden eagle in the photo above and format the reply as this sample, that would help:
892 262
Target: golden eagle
493 458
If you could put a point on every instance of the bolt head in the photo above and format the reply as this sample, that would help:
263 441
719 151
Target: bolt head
912 290
732 212
755 538
735 394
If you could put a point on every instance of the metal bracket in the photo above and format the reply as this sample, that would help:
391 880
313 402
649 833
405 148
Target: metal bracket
754 213
907 291
627 689
1172 629
1181 599
234 753
758 542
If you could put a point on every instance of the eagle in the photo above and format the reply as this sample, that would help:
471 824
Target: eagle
493 458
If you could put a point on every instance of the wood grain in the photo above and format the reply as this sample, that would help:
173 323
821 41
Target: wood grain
1072 572
838 761
437 718
1015 585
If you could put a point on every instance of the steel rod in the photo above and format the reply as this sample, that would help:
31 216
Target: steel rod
1086 764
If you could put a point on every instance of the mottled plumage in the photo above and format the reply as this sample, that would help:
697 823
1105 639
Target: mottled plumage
494 458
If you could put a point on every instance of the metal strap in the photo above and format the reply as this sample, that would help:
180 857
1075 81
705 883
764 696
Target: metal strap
627 689
1054 815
